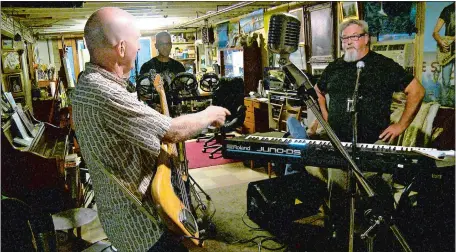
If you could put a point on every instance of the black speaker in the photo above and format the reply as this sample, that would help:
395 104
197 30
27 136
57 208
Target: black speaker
208 35
274 203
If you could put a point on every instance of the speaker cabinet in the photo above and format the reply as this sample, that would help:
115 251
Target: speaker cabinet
274 203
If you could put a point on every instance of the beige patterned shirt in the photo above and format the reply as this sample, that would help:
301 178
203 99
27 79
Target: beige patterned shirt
123 135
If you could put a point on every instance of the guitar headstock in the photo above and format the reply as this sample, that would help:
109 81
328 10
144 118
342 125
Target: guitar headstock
158 84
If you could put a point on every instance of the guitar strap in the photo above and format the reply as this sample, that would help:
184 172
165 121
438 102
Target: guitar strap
127 192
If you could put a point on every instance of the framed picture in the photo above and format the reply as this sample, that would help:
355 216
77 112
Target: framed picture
233 31
252 22
317 69
298 13
7 44
299 58
222 35
68 72
321 33
11 62
349 10
15 84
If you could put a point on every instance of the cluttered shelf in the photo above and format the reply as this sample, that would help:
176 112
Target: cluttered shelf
280 100
184 59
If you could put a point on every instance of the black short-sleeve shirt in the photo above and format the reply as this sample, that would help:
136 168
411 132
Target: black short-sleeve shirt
447 15
380 77
172 67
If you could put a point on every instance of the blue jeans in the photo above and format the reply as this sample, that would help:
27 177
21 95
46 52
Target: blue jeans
297 131
446 90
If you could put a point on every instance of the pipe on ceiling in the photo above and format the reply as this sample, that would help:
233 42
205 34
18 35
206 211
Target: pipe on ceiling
227 9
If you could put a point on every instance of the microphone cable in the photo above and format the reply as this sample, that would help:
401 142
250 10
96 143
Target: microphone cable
259 243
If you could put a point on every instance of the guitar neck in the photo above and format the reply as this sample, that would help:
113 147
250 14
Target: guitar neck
171 148
164 103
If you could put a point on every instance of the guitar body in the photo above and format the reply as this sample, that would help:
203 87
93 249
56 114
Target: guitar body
175 215
446 57
173 208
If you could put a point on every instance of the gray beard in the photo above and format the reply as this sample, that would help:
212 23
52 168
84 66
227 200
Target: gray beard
351 56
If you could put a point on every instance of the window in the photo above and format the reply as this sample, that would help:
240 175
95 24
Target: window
142 57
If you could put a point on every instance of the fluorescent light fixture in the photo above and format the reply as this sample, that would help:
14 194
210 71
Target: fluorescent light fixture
147 24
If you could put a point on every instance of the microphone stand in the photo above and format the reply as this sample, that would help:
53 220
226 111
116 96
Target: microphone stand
307 93
351 185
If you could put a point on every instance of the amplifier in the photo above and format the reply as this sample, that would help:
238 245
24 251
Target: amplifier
274 203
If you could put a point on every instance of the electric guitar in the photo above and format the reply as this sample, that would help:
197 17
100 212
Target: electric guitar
445 57
168 187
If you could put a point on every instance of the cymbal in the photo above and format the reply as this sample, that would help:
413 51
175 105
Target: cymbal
73 218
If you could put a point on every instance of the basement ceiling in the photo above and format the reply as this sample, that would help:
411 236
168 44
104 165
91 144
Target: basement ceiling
54 18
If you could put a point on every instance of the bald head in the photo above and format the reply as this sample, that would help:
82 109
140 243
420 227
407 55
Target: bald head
107 27
112 39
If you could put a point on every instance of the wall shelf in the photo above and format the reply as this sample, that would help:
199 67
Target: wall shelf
190 51
187 59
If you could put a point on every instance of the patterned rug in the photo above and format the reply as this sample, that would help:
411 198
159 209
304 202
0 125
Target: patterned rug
198 159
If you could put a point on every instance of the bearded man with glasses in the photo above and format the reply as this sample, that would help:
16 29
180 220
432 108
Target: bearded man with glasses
379 79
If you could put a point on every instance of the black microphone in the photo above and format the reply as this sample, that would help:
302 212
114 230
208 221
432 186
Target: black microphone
283 38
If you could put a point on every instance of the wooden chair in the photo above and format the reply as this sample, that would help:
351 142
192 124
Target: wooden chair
285 112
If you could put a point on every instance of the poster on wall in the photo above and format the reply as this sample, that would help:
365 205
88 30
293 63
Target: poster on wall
438 57
391 20
222 35
233 31
252 22
68 72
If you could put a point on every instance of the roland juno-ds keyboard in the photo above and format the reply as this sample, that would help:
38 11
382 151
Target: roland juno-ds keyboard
370 157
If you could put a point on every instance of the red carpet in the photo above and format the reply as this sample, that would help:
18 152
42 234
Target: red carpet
197 159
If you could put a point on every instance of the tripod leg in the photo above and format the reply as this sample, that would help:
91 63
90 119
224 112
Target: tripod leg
199 187
400 238
370 244
197 196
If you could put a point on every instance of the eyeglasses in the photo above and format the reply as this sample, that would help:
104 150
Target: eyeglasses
165 44
352 38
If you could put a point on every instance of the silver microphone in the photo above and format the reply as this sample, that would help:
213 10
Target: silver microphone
351 103
359 66
283 35
283 38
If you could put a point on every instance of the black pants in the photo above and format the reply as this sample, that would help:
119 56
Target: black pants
168 243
